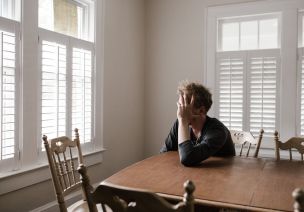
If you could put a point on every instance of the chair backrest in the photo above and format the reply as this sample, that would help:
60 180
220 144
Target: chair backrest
60 157
292 143
122 199
245 140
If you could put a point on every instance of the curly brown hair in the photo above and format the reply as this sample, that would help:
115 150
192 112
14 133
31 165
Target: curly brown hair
201 94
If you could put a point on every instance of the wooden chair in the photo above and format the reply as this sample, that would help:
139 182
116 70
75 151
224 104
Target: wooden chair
298 195
246 140
293 143
122 199
65 177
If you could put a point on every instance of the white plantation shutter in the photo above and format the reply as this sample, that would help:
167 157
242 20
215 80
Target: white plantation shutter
82 93
231 91
247 90
67 89
53 89
263 68
301 83
8 89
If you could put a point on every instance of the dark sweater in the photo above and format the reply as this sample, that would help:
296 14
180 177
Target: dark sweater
215 140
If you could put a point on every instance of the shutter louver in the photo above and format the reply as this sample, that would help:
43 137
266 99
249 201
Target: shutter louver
82 93
302 93
8 88
231 92
53 97
262 94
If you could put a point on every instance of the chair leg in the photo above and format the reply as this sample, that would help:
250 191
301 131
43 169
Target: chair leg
103 208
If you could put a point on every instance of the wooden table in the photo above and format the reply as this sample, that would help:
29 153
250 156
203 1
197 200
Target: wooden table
243 183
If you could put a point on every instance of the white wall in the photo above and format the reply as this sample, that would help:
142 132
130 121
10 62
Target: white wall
123 101
174 51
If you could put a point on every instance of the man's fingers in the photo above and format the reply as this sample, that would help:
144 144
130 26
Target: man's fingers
182 100
185 100
192 100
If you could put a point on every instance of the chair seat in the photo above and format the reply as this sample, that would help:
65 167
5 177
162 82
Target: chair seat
82 206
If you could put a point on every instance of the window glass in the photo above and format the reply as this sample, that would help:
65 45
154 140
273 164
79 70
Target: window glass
65 16
268 34
10 9
249 35
230 36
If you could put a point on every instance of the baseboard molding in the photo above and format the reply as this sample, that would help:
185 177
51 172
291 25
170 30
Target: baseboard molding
69 199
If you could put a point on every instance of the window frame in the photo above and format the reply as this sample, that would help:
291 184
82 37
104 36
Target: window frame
300 28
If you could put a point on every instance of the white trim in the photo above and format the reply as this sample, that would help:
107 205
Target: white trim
53 206
260 7
52 36
300 30
69 199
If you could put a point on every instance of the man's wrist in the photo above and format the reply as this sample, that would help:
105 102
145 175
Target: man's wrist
183 121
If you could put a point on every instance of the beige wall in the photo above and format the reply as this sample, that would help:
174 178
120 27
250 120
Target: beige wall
123 102
123 83
174 51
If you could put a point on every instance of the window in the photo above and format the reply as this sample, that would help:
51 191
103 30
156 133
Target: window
52 90
254 67
69 17
65 85
248 64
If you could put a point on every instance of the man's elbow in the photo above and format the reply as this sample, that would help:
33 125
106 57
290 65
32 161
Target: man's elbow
187 160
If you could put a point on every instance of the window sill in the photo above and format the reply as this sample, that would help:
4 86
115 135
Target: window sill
15 180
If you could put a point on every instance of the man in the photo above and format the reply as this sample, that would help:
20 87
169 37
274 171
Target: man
195 135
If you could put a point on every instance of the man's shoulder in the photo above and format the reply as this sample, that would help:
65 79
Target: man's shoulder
215 124
214 121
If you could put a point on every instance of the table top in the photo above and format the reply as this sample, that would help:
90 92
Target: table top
237 182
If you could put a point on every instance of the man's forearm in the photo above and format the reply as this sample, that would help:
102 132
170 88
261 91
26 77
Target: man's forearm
183 131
